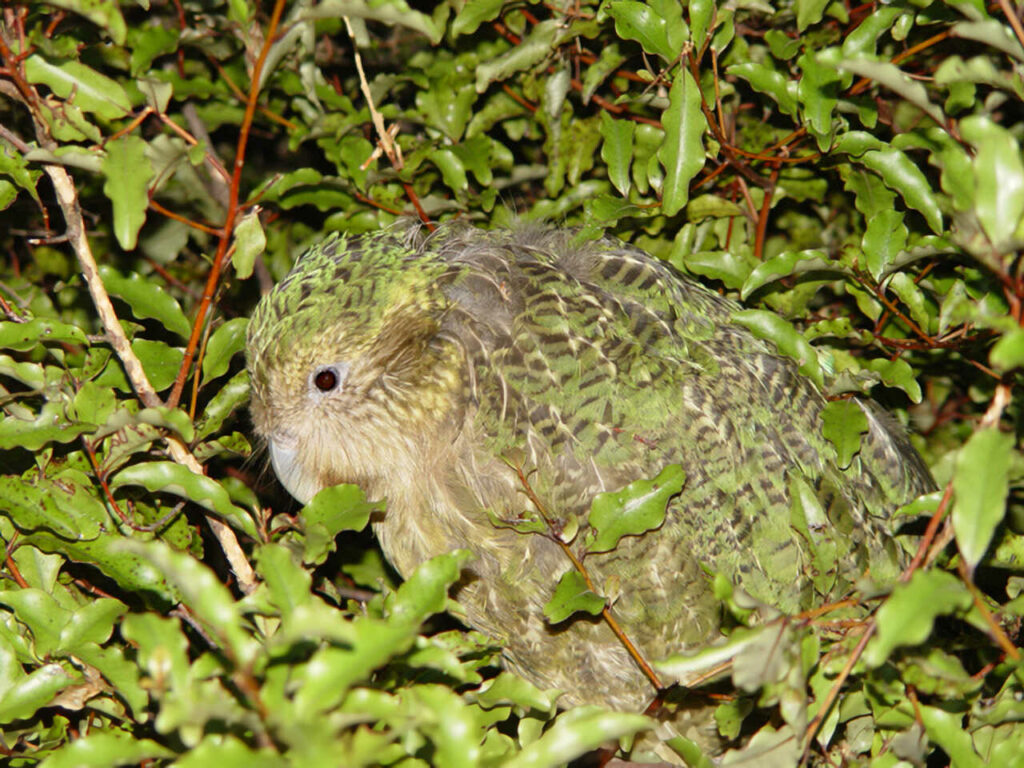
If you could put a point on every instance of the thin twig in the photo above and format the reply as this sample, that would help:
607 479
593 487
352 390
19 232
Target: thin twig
606 612
232 211
68 200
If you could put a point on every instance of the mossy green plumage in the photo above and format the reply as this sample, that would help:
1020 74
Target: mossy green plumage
458 355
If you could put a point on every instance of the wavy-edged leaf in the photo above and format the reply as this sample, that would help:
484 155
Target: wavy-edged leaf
789 263
770 327
87 89
202 591
176 479
843 423
769 82
572 595
390 13
981 483
66 508
21 695
907 616
105 749
575 733
103 13
617 150
531 51
147 299
250 242
999 174
38 330
633 510
128 172
901 175
224 343
335 509
682 152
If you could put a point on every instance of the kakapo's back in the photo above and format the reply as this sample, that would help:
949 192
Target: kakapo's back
584 365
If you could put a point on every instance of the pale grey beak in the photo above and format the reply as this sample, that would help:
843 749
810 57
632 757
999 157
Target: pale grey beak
290 472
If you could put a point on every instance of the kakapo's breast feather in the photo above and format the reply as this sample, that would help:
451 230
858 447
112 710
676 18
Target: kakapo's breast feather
592 364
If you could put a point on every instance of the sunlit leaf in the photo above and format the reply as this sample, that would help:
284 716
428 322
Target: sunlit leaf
633 510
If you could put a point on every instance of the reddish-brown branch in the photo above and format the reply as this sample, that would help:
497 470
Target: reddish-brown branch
12 567
606 613
215 231
370 201
763 214
232 212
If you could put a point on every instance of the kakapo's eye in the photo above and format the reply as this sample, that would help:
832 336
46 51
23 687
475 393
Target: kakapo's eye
327 378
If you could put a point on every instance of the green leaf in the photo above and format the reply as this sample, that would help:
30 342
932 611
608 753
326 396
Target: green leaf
101 749
682 152
147 299
66 508
335 509
322 683
86 88
999 170
176 479
576 732
617 150
844 421
160 361
92 623
391 13
22 696
884 239
226 751
202 591
51 425
946 729
818 92
769 82
770 327
702 12
907 616
473 14
981 483
767 657
102 13
128 172
1008 352
510 689
809 12
288 584
452 169
227 341
896 373
633 510
893 78
25 336
426 592
535 48
572 595
642 22
128 570
905 178
786 264
233 395
41 613
250 242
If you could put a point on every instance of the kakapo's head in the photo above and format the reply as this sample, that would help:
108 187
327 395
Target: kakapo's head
348 368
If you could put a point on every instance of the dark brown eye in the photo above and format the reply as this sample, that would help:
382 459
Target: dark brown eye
326 380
